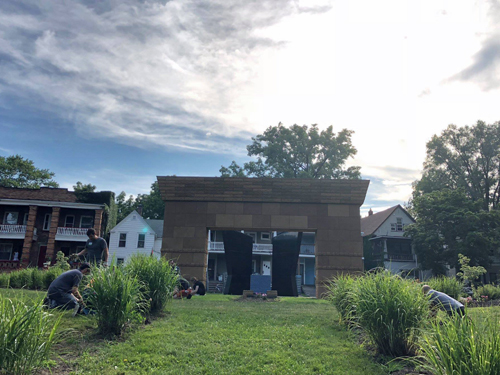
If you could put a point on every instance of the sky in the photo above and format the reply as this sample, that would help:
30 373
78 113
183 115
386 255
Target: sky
117 92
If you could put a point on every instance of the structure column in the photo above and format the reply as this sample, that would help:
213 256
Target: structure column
28 237
51 243
98 222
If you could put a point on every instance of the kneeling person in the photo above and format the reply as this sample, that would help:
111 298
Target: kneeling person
63 291
444 302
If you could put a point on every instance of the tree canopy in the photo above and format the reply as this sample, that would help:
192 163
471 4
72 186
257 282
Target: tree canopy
83 188
465 157
449 223
153 206
18 172
298 152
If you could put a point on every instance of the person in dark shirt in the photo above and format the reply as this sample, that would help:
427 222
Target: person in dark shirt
198 287
444 301
96 249
63 291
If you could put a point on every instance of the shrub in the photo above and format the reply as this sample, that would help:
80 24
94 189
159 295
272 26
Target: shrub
460 346
492 291
158 277
37 279
116 297
26 335
448 285
15 279
391 311
50 275
62 261
4 280
341 294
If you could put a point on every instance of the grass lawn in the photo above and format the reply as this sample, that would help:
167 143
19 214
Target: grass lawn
216 335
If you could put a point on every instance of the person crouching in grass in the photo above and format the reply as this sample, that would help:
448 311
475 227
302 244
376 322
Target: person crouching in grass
444 301
63 291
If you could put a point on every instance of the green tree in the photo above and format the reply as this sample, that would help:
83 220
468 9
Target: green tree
153 207
469 273
124 206
298 152
15 171
449 223
465 158
81 188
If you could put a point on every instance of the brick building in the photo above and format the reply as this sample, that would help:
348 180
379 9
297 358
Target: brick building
37 223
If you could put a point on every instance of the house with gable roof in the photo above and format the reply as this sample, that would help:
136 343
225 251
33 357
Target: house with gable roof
385 244
133 235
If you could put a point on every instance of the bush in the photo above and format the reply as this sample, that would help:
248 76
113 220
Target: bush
4 280
448 285
116 297
37 279
158 277
341 294
391 311
50 275
26 335
460 346
62 261
492 291
15 279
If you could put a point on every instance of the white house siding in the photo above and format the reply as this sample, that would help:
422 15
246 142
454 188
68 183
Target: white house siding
385 228
133 225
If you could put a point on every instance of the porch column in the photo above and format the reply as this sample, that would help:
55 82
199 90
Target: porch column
28 237
51 242
98 222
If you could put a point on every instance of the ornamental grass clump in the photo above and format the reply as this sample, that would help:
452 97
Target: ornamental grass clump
392 311
448 285
157 276
4 280
492 291
117 299
340 291
462 346
26 336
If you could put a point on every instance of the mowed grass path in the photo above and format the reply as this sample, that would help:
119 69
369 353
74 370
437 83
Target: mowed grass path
215 334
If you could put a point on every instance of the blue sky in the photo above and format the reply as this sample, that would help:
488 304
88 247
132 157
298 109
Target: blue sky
115 93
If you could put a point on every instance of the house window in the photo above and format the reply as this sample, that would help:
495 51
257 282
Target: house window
253 235
141 240
69 222
265 236
46 221
86 222
5 251
25 219
10 218
397 226
123 240
120 261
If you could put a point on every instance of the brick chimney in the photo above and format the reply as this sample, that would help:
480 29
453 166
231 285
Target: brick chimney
370 213
139 209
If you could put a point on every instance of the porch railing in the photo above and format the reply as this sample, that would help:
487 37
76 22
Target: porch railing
401 257
12 229
64 231
9 264
257 247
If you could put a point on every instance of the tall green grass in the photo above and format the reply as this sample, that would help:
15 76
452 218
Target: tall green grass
392 311
26 335
117 299
341 293
459 346
158 277
448 285
29 278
